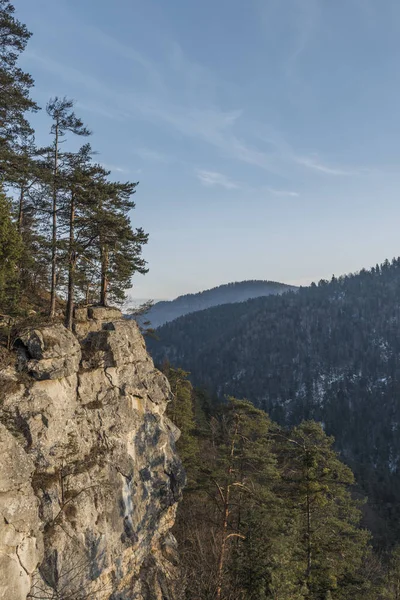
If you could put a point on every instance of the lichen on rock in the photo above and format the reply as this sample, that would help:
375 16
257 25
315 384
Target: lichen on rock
95 467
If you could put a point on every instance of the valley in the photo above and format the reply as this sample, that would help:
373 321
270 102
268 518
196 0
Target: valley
329 352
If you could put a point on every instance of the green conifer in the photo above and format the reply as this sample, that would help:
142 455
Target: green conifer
180 411
15 86
64 119
331 546
11 249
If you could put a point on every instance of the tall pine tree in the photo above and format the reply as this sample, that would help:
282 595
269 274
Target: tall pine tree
64 119
15 87
11 249
119 245
330 545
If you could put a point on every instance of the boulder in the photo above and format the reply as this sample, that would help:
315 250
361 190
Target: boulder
50 352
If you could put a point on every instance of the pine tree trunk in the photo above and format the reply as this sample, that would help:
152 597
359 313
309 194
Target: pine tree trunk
225 522
71 266
238 524
54 233
309 552
104 280
308 515
21 210
221 562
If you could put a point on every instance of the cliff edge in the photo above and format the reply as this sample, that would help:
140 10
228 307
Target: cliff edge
89 475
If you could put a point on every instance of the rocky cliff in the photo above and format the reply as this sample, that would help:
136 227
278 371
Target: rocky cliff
89 476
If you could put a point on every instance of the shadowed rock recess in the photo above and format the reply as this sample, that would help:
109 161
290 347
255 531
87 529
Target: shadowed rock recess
89 475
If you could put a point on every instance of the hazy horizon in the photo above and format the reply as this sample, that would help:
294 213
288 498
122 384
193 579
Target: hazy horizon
131 297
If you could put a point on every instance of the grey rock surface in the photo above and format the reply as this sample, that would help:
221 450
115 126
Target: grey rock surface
21 543
95 480
50 352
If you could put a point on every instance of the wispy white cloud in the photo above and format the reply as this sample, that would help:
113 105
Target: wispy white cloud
101 39
211 125
207 124
291 28
212 178
152 155
121 170
297 20
102 111
285 154
306 16
114 168
216 179
283 193
315 164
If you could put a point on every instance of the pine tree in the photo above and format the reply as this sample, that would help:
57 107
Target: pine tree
392 587
24 177
266 566
180 411
79 174
245 470
64 119
15 86
11 249
331 546
119 245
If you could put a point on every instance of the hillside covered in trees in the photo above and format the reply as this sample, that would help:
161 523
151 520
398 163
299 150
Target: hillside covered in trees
330 352
168 310
65 230
269 511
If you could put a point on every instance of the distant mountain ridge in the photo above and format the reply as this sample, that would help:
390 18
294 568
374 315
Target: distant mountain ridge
230 293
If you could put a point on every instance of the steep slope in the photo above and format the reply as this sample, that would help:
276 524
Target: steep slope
166 311
329 352
89 477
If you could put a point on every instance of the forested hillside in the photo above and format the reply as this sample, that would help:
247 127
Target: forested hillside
165 311
330 352
269 512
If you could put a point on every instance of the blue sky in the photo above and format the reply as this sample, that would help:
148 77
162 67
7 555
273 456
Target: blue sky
265 134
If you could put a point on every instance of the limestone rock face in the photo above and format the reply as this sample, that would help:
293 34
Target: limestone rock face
21 548
89 476
50 352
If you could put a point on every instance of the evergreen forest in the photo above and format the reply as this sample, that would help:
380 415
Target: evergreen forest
329 352
270 511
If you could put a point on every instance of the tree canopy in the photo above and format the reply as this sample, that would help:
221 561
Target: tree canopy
270 512
67 235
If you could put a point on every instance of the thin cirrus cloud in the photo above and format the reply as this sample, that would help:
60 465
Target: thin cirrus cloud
114 168
119 169
215 179
306 16
152 155
302 19
208 125
162 105
313 163
212 179
282 193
